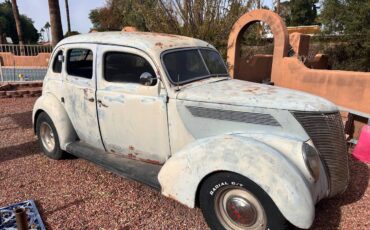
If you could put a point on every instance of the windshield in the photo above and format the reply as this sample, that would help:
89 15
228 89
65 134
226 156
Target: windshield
185 66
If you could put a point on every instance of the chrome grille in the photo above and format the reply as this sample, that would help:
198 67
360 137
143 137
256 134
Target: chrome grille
236 116
327 134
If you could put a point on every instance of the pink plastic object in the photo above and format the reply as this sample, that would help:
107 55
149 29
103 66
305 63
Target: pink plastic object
362 149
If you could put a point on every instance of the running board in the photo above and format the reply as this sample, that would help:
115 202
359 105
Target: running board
140 171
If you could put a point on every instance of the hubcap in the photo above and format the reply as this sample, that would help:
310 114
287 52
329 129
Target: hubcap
238 209
47 136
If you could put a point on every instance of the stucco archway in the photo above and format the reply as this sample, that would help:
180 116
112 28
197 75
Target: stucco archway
278 28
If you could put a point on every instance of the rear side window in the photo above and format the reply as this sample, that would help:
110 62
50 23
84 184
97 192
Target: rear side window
80 63
125 67
57 64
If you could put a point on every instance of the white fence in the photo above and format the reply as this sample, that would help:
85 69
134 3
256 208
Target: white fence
26 50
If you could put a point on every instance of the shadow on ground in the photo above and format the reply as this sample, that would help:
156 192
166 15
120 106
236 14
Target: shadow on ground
328 213
19 151
23 120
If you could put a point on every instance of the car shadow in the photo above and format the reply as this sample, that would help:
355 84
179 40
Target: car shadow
23 120
328 213
18 151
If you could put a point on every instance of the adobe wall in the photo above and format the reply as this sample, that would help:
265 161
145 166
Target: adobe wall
347 89
9 59
256 69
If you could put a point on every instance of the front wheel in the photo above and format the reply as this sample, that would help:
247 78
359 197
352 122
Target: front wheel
233 202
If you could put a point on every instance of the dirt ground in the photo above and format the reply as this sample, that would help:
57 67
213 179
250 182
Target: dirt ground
76 194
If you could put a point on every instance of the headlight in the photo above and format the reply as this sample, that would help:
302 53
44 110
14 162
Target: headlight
312 160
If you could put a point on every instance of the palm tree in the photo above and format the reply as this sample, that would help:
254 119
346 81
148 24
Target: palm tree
42 37
47 29
55 21
68 18
17 19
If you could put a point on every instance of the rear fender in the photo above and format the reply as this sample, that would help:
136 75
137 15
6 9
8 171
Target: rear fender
49 104
267 167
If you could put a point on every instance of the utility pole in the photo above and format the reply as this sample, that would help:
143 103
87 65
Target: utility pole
68 18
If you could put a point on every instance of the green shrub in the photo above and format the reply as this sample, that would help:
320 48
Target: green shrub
351 56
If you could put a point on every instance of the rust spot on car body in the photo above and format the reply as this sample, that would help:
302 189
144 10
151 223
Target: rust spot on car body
150 161
159 44
133 157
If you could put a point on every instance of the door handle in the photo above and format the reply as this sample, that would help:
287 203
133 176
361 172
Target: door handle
101 103
91 99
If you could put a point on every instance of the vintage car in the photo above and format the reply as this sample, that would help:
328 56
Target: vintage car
162 109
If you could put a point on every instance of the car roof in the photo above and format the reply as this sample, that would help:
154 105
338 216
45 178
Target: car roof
148 42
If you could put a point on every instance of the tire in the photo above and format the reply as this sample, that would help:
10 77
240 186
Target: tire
49 142
222 193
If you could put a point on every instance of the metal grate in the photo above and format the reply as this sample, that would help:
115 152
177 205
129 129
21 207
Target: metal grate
327 134
236 116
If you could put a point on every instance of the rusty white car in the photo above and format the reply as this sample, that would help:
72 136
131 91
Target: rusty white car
163 110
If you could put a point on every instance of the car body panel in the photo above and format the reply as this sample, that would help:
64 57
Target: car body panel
259 162
244 93
79 100
136 112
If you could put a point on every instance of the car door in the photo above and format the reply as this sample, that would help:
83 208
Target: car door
79 92
132 116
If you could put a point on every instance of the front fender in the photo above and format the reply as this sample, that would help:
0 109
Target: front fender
49 104
267 167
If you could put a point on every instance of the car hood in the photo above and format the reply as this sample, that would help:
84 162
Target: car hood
244 93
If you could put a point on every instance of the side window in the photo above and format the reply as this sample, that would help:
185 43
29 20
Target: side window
125 67
80 63
57 64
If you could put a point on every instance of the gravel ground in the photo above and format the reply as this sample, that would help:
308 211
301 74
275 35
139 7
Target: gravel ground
75 194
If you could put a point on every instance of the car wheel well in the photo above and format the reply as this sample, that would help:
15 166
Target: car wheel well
37 114
197 200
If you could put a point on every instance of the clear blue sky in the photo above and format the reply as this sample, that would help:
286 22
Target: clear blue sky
38 11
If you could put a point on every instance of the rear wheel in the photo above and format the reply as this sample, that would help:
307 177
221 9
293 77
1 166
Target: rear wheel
48 137
231 201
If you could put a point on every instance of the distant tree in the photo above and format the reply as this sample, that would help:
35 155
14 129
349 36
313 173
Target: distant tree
42 37
348 20
210 20
9 28
299 12
119 13
278 7
346 16
332 16
47 29
55 22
